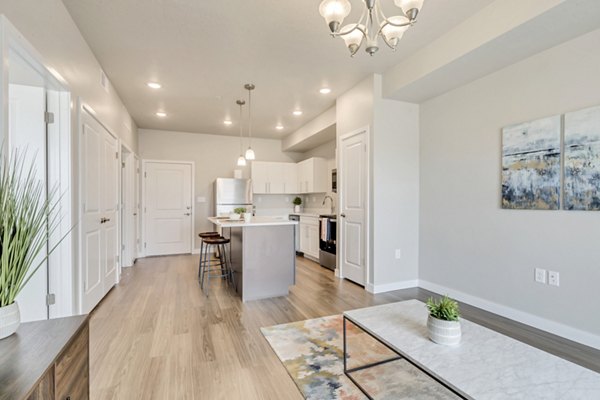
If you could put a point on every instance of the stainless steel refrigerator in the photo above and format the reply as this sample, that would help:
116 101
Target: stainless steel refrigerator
231 194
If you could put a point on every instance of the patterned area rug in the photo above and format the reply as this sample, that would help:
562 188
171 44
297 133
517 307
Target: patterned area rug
312 353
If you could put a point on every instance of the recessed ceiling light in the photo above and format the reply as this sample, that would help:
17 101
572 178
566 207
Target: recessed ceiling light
279 127
325 90
161 114
154 85
228 122
297 113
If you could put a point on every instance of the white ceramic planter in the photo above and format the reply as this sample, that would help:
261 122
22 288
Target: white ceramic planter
10 319
443 332
234 216
297 209
247 217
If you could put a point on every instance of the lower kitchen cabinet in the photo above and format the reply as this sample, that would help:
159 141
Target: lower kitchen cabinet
309 236
46 360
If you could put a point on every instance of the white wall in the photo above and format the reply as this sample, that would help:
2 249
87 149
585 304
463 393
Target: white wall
394 180
48 26
395 164
468 243
215 156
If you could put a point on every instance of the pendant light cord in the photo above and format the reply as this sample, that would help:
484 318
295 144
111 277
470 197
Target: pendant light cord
249 118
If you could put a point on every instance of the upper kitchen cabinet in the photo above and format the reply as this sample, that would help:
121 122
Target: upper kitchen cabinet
274 177
312 176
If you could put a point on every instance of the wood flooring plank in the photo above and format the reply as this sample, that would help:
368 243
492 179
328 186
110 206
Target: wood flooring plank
158 336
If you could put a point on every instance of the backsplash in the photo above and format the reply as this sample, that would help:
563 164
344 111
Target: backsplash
280 204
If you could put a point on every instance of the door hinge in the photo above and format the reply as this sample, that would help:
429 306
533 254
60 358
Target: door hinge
49 117
144 244
122 165
122 247
50 299
145 174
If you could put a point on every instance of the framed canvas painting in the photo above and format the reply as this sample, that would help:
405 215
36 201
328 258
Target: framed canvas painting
531 165
582 160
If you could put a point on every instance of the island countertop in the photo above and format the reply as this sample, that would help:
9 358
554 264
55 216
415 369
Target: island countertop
256 221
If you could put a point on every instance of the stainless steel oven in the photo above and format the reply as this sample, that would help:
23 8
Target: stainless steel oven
327 241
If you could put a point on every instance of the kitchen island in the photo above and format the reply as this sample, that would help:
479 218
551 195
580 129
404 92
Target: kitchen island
263 255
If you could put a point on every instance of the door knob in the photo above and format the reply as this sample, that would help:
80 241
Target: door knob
343 215
188 214
103 220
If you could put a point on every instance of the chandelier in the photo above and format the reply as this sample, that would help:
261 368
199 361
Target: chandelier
372 23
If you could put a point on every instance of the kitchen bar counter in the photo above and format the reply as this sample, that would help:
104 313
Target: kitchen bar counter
256 221
263 255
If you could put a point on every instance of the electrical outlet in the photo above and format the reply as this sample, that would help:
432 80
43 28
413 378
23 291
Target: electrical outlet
398 254
540 275
553 278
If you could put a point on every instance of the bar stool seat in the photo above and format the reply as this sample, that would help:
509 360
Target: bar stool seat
219 268
208 234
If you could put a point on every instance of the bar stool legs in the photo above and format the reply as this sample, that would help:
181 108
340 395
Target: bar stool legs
219 268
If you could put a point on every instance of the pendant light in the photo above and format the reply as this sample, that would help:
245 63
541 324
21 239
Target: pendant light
250 153
241 162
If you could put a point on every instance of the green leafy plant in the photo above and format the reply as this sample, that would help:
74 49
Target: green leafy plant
27 221
239 210
297 201
445 309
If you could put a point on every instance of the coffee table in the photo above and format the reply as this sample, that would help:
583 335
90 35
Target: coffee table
486 365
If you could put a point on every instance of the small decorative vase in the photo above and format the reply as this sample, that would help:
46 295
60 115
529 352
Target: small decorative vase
297 209
10 319
447 333
247 217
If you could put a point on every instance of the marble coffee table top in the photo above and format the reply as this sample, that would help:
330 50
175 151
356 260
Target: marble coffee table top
486 365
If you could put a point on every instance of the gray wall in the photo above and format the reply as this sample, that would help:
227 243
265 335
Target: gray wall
467 242
214 155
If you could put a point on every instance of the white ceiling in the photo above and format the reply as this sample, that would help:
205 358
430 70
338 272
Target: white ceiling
202 52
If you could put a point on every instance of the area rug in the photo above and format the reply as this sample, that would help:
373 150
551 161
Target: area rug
312 353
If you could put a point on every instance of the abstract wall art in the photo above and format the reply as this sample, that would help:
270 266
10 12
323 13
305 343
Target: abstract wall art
531 165
582 160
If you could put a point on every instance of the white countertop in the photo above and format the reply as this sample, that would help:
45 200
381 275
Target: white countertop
256 221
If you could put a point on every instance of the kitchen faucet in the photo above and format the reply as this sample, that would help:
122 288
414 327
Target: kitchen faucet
332 205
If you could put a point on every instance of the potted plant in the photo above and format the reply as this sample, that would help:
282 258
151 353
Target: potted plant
443 323
297 204
237 213
27 220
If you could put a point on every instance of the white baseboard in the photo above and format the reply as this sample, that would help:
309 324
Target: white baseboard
553 327
388 287
196 251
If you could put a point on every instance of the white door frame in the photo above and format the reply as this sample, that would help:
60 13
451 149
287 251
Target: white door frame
366 130
192 164
81 108
126 224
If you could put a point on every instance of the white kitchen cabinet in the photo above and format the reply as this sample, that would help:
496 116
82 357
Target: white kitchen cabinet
312 176
309 236
273 177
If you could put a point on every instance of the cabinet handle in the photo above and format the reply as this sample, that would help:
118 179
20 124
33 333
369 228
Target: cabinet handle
187 214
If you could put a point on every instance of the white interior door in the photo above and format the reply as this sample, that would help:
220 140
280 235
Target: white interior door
99 244
168 208
128 208
27 135
353 212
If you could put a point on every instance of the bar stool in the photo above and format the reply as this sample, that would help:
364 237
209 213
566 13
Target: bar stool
220 268
203 236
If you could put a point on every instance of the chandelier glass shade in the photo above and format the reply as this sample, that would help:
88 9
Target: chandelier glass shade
372 25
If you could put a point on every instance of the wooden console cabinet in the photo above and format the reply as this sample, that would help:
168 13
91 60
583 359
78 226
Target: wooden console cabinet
46 360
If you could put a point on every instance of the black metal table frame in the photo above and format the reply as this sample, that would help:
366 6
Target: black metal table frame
399 356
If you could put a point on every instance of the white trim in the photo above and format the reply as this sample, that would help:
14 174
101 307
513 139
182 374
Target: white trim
339 272
543 324
143 198
389 287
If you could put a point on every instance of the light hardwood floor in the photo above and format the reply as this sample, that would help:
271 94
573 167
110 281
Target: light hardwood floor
156 336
